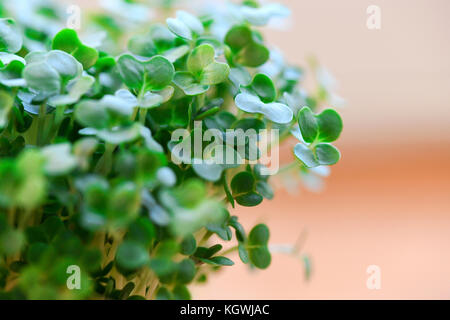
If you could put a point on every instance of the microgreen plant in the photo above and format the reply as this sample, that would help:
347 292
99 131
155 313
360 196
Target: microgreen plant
87 172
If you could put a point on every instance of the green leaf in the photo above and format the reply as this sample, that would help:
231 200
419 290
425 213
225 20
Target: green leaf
325 127
11 73
202 65
238 37
260 257
227 191
306 155
142 231
242 183
274 111
259 235
185 25
253 55
131 255
222 261
153 74
187 82
250 199
188 245
330 124
327 154
257 246
181 292
265 189
179 28
186 271
41 77
243 253
263 86
246 50
308 124
46 73
220 227
67 40
67 67
10 36
239 229
164 294
77 89
322 154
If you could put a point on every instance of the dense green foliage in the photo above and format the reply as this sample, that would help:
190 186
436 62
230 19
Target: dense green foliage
86 170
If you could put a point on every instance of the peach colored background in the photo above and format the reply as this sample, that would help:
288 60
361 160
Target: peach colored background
388 202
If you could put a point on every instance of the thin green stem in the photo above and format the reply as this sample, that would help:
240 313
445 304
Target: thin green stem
41 124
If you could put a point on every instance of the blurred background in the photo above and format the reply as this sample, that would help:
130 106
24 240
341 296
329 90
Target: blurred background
387 203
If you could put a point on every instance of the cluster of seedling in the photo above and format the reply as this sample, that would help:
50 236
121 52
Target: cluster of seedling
86 171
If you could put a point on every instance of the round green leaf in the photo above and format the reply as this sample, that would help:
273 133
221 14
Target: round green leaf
264 87
188 245
257 246
327 154
238 37
330 124
159 73
181 292
153 74
66 65
41 77
260 257
67 40
214 73
141 231
259 235
253 55
131 255
131 71
186 271
308 124
164 294
242 183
